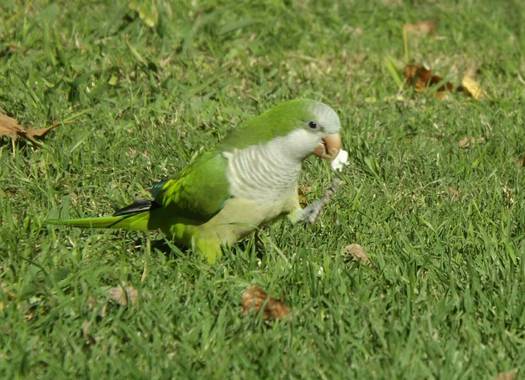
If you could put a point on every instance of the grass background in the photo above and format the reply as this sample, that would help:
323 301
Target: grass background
443 226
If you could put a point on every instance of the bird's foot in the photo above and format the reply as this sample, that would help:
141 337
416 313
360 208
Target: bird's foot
310 213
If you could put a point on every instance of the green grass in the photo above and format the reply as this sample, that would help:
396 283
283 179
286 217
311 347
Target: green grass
443 226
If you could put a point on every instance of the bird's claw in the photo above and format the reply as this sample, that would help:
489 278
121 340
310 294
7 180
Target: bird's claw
310 213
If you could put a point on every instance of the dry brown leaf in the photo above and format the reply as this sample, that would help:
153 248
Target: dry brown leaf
9 127
31 133
124 296
254 298
357 253
422 78
421 28
469 141
508 375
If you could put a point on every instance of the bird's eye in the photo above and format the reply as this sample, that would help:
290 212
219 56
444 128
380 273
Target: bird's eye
312 125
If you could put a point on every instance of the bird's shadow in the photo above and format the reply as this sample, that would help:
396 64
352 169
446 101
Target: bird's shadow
170 249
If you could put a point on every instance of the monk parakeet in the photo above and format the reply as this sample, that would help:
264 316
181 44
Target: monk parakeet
247 180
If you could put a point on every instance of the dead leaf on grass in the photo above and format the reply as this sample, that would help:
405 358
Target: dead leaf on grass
254 298
421 28
124 295
357 253
421 78
470 86
469 141
9 127
508 375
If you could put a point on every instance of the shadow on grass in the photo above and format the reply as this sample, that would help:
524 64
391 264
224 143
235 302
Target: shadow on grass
170 249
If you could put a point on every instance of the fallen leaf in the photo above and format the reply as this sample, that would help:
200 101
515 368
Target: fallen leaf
469 142
124 296
421 28
470 86
421 78
508 375
9 127
254 298
31 133
357 253
417 76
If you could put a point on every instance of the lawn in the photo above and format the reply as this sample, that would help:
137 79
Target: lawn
137 90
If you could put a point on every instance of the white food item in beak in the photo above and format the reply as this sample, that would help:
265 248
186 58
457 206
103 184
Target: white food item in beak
340 161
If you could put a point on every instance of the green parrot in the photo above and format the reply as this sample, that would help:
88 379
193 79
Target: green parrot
247 180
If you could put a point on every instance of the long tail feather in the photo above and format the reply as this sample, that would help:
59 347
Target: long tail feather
135 222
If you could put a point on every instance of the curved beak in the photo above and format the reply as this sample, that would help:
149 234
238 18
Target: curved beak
329 147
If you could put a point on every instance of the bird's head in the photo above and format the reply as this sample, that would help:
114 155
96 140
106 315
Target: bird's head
302 127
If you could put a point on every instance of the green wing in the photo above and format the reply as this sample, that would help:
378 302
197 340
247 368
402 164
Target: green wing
199 192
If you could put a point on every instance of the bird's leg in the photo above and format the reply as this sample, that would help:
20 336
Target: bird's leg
208 248
310 213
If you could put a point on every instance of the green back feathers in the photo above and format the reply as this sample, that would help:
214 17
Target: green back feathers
199 192
277 121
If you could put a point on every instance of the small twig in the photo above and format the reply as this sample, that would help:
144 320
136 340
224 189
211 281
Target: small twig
312 211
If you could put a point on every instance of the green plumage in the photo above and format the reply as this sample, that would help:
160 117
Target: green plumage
135 222
278 121
196 209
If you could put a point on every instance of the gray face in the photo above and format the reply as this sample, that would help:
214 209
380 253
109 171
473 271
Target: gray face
326 118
